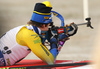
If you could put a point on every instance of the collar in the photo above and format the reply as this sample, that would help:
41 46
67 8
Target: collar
39 30
30 27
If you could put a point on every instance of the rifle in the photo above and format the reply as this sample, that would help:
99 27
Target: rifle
55 30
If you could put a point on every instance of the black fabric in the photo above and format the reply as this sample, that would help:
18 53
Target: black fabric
39 7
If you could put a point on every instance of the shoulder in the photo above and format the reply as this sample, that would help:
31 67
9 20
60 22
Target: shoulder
27 32
28 35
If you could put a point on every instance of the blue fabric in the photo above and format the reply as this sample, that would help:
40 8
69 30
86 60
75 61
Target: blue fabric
62 36
44 36
53 42
54 52
41 18
53 46
2 60
70 28
36 29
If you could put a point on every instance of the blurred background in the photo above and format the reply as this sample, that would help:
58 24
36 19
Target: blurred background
14 13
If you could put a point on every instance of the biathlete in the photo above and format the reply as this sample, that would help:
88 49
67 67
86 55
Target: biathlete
18 42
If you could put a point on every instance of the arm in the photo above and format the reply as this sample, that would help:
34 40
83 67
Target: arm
33 41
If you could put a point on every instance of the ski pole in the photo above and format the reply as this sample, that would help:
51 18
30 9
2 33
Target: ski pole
88 23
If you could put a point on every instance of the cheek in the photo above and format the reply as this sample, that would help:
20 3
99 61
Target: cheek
47 28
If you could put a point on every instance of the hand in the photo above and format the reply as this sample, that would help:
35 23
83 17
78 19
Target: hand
63 37
72 29
53 40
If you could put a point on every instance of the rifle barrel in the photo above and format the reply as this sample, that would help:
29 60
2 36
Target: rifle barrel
81 24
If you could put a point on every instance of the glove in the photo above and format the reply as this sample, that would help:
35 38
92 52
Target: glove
72 29
62 38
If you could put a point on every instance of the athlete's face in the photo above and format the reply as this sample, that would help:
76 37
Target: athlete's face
46 28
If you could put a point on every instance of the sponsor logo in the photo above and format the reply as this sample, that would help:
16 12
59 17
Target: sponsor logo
37 41
61 42
8 61
43 35
61 30
46 17
59 48
35 35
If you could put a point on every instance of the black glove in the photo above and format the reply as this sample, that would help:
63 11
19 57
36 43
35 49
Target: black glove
72 29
